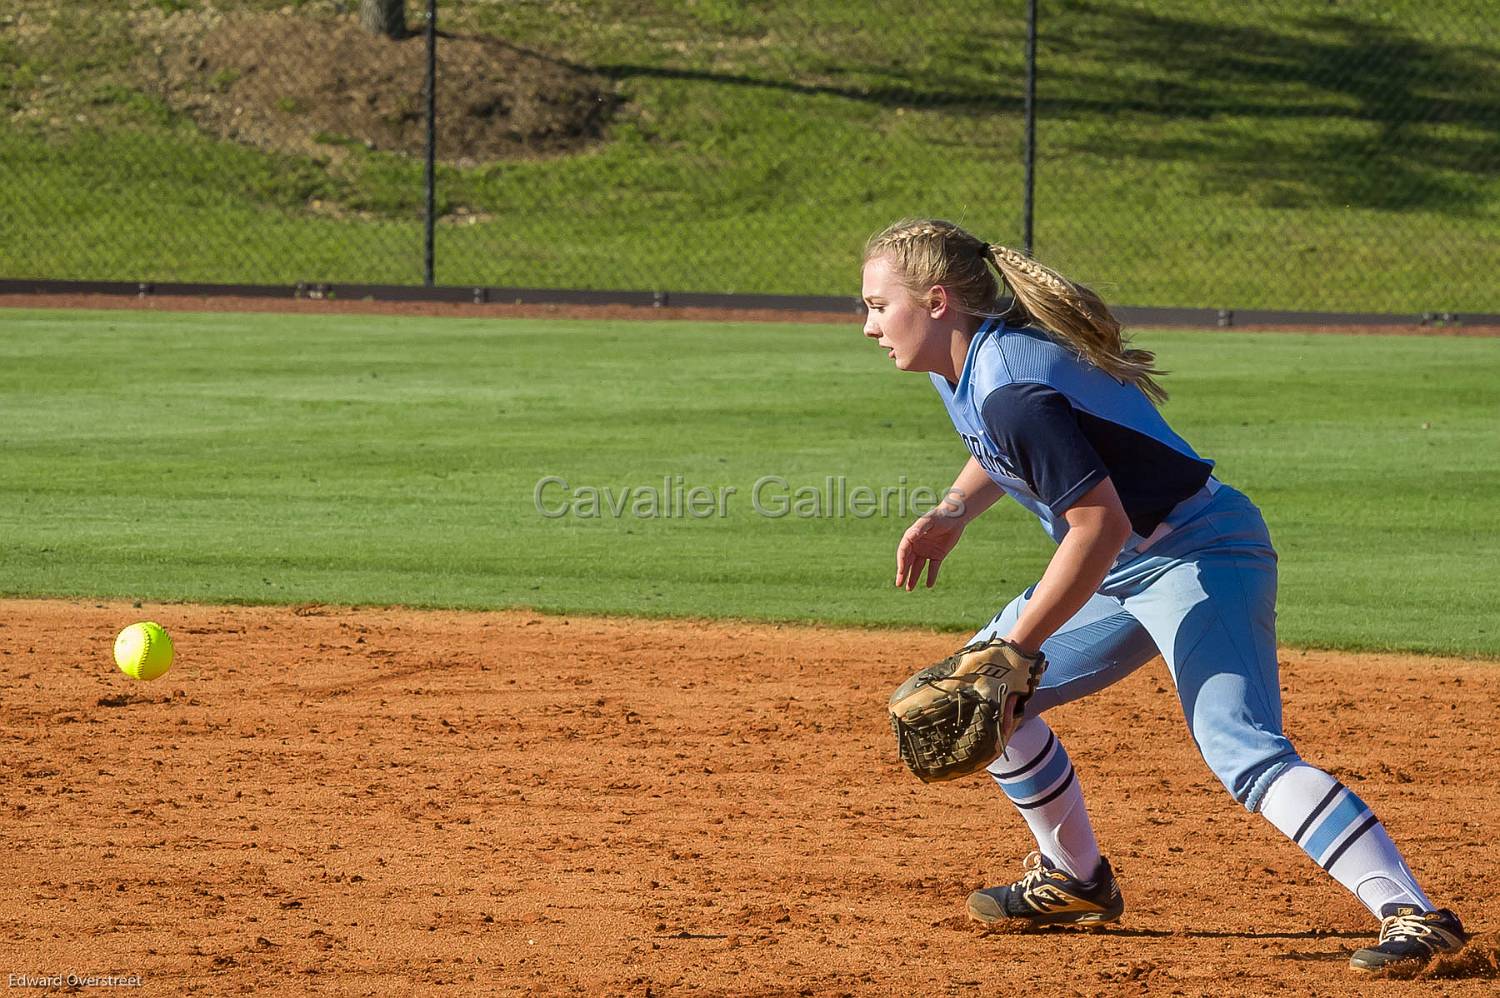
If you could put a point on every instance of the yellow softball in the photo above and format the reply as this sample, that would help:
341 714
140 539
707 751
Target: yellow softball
143 651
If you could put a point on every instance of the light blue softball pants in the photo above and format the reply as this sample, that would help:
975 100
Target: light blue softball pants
1204 596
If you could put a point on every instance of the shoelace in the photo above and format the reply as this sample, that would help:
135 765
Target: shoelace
1404 925
1035 871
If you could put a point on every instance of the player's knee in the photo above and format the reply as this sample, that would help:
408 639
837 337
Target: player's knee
1248 775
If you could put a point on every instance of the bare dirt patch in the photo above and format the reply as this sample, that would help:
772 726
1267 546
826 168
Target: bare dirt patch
507 310
442 309
313 86
382 801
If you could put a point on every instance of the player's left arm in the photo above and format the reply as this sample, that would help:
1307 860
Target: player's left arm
1097 528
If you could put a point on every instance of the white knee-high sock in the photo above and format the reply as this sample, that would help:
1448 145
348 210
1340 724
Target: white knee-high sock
1037 775
1342 836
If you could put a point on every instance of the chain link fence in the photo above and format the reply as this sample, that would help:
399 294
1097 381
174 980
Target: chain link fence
1343 155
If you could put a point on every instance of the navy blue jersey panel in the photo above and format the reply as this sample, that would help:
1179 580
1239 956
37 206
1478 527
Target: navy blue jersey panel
1062 452
1038 430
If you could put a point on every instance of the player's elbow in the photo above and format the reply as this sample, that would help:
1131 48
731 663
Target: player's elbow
1113 530
1099 531
1100 516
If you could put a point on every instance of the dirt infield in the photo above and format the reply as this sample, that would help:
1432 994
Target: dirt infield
431 309
372 802
504 310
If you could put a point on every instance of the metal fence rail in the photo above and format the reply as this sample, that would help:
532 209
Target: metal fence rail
1204 154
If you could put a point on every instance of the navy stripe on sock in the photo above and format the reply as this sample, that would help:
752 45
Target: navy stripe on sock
1065 784
1051 740
1322 804
1370 823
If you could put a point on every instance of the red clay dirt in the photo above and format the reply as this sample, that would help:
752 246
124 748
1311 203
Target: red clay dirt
432 309
376 801
509 310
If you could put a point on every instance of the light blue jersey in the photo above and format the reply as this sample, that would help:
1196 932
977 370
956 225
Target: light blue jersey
1046 426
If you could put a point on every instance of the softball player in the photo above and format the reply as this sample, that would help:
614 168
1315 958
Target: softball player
1154 555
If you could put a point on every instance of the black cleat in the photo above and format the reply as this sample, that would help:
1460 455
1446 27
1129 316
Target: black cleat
1411 936
1048 896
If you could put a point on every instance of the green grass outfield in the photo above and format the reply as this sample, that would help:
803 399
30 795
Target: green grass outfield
383 460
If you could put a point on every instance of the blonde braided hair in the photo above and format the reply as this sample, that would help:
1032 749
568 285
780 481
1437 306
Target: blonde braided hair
932 252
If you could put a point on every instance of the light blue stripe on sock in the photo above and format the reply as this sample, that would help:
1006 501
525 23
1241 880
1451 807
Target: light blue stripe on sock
1050 774
1348 811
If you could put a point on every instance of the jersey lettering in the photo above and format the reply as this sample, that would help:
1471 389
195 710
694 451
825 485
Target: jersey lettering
993 462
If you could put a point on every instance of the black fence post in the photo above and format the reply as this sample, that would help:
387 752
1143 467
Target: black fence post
1029 183
431 177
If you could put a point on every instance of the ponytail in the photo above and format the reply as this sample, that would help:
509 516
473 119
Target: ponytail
1076 317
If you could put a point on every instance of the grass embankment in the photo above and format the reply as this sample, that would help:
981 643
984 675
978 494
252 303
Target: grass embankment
1204 154
359 460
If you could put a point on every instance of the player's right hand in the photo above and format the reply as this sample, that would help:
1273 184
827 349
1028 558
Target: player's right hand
924 545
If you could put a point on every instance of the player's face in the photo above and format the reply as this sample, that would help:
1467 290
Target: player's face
897 321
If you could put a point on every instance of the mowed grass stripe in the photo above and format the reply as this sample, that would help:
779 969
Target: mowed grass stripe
358 459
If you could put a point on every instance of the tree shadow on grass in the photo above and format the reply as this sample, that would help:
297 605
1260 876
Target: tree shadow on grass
961 82
1322 109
